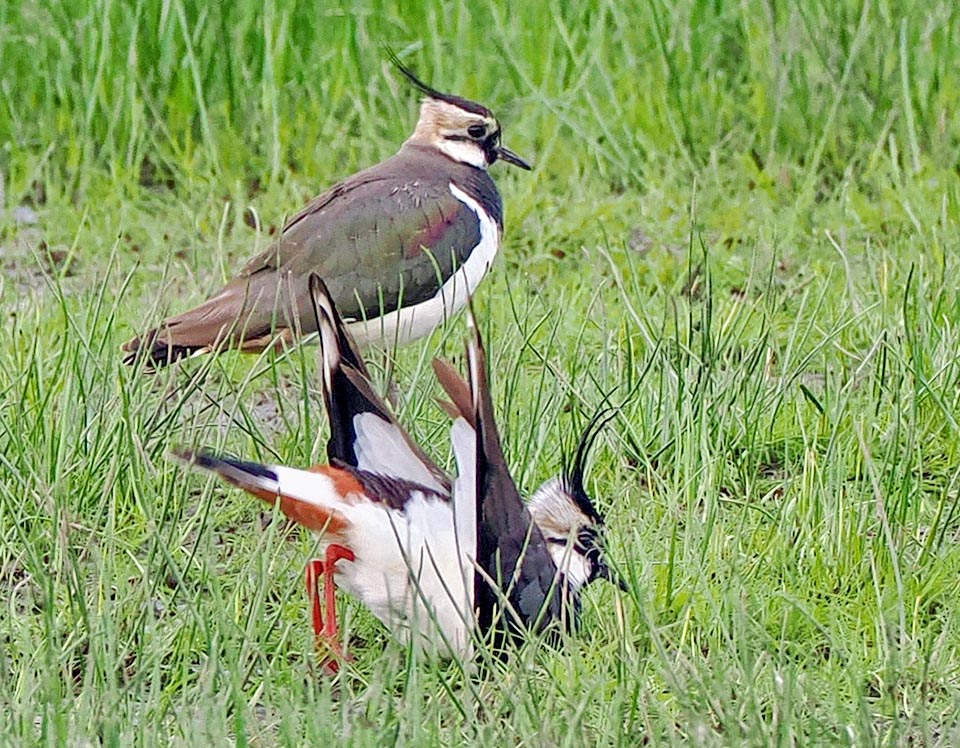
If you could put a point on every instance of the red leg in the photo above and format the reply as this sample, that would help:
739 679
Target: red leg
334 554
325 627
315 567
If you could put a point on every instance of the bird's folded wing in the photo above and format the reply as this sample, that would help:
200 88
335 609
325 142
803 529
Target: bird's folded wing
364 434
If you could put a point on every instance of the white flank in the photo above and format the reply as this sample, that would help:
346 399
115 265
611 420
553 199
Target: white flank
406 569
464 440
381 448
409 569
409 573
407 324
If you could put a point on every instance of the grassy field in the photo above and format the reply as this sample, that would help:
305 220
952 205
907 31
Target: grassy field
743 213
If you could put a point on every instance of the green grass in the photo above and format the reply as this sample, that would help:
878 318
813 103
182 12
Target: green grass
743 215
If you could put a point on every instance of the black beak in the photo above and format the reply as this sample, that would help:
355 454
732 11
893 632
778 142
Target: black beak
605 572
510 157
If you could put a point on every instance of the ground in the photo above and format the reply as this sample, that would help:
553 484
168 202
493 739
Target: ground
742 225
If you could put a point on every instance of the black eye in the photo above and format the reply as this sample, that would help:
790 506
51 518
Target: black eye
588 538
476 131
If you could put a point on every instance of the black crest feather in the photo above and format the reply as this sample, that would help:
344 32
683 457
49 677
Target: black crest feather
432 93
576 471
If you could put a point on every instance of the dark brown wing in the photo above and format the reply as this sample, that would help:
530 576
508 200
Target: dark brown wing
386 237
511 549
363 432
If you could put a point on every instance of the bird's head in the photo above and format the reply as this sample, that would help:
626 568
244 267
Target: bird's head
569 521
462 130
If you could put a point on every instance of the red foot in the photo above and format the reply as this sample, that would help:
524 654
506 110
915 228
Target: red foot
325 629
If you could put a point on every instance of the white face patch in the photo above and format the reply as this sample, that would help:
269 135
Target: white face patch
464 151
453 131
570 562
560 519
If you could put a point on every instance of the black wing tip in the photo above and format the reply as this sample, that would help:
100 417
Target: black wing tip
209 460
318 287
327 315
322 300
202 458
152 354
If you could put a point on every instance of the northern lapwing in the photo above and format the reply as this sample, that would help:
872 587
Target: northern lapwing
401 245
436 560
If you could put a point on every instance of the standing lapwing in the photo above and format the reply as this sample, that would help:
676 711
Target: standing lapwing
436 560
401 245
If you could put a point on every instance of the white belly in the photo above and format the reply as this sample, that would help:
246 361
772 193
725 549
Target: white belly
411 573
